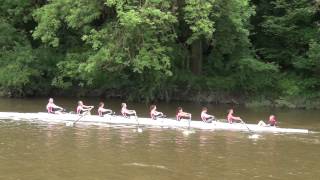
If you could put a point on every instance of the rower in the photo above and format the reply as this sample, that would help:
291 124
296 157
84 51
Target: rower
154 114
82 109
232 118
182 115
206 117
52 108
126 112
272 121
102 111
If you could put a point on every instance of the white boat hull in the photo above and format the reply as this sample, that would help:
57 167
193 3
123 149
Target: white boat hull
168 123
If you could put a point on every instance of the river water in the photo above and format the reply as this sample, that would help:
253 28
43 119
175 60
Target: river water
38 151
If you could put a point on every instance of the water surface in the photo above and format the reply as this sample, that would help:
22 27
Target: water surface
33 150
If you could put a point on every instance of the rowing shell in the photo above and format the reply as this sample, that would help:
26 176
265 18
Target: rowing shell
161 122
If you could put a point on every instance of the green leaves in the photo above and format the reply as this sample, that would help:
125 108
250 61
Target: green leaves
48 24
314 57
54 16
15 59
288 35
254 65
134 37
148 49
198 15
16 68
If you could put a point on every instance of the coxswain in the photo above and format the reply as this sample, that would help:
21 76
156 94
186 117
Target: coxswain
272 121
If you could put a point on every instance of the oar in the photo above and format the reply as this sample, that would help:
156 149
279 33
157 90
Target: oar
223 120
188 131
253 135
71 124
246 126
138 126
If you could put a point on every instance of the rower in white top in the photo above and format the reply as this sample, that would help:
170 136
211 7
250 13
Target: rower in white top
206 117
83 109
102 111
126 112
52 108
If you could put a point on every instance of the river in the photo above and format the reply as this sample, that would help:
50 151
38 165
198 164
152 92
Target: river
33 150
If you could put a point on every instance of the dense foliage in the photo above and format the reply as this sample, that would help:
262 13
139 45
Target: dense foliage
212 50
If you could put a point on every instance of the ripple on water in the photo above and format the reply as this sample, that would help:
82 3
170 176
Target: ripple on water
146 165
208 153
308 139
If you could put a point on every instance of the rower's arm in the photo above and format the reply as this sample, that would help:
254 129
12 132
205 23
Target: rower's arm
55 106
207 115
87 107
106 110
231 117
186 114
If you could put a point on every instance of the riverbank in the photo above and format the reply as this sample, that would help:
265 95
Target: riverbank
236 99
222 98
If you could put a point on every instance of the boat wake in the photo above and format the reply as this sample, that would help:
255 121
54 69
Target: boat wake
188 132
146 165
254 136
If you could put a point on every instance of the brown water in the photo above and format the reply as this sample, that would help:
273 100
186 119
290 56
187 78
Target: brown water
32 150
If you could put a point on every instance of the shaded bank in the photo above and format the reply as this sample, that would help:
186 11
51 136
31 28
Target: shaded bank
204 98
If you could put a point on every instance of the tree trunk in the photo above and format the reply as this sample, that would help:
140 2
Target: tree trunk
196 57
